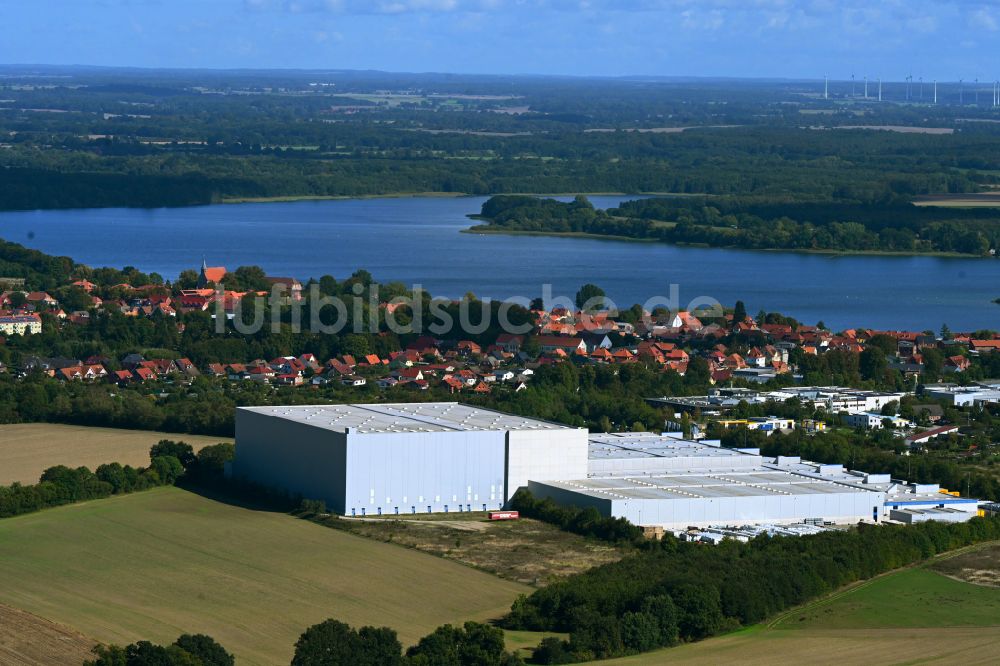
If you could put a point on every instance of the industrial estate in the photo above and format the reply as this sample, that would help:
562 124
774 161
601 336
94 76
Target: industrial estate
381 459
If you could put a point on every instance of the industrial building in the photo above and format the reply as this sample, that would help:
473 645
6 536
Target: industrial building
440 457
674 483
402 458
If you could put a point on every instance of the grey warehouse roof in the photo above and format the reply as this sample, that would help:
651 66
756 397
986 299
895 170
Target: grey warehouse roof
651 445
736 483
404 417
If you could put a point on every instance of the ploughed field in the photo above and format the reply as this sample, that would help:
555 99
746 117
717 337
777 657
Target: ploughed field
28 449
156 564
28 640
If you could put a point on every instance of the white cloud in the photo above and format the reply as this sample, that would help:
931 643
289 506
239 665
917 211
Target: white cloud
985 18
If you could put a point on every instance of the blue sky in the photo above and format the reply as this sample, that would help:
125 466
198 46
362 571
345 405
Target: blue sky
943 39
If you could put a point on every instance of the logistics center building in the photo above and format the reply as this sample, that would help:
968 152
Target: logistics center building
402 458
384 459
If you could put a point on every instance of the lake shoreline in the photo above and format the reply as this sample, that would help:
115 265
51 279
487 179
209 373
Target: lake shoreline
434 195
485 230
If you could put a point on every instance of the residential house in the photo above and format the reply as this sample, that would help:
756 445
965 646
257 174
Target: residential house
510 343
41 298
957 364
552 343
288 287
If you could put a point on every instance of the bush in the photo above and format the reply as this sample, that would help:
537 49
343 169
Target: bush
587 522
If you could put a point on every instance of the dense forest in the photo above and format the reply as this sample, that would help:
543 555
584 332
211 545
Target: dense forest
894 225
85 137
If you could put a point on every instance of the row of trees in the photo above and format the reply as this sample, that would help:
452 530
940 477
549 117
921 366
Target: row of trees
586 522
168 462
332 643
681 591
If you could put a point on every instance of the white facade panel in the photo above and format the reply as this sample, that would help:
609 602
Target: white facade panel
550 455
416 472
294 457
847 507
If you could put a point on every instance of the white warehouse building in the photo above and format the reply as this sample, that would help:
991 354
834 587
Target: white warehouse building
384 459
402 458
662 480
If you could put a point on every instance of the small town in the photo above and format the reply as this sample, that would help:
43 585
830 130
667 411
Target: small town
750 363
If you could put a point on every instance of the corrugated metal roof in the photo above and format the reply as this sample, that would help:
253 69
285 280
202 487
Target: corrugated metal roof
404 417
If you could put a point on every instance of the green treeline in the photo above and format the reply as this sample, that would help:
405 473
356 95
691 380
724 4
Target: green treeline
586 522
168 461
679 591
187 650
332 643
894 226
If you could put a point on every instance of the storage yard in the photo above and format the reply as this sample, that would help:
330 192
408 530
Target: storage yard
447 457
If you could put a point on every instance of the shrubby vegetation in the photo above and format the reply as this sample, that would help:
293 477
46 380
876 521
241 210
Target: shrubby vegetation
680 591
885 226
586 522
168 462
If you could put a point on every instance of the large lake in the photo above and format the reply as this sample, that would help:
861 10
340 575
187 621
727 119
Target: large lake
417 240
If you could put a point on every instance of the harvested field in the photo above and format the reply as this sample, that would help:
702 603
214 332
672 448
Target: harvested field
28 640
527 551
28 449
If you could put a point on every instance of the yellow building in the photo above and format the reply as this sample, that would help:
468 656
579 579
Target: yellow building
20 324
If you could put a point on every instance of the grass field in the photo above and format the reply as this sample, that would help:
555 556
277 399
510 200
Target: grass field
163 562
27 450
912 598
912 616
